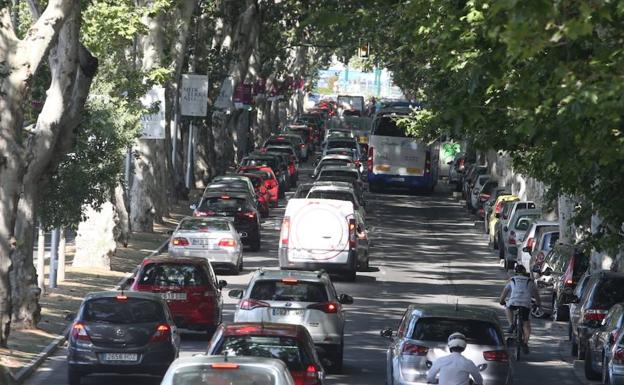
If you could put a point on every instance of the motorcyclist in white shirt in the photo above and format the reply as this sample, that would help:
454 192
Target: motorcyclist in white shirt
454 369
520 289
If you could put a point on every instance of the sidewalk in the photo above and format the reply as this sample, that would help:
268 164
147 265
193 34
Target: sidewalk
27 348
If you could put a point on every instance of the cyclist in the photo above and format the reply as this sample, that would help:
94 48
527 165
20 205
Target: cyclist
455 369
520 289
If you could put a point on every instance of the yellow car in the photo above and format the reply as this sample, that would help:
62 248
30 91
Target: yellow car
493 219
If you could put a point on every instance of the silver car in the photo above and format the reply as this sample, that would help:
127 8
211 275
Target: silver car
233 370
422 335
297 297
513 233
215 239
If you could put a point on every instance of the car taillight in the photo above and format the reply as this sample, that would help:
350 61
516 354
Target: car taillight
227 242
428 163
311 376
352 238
410 349
539 259
302 145
594 315
498 207
285 232
530 243
162 334
484 197
79 332
618 355
512 238
179 241
325 307
369 160
249 304
357 163
248 214
496 355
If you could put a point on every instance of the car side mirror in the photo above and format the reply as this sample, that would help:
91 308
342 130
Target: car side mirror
222 284
548 271
526 249
505 229
386 333
193 206
449 162
575 299
345 299
235 293
497 215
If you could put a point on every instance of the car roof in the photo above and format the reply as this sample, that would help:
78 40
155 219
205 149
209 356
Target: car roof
332 183
263 328
300 274
468 312
336 157
332 187
174 260
527 211
129 294
351 169
206 219
543 222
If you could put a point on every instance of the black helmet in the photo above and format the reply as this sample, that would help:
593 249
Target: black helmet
520 269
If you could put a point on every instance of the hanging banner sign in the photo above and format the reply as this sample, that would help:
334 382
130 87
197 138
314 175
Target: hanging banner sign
243 94
153 124
194 95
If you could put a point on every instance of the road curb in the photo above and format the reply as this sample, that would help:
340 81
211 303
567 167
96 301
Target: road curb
24 373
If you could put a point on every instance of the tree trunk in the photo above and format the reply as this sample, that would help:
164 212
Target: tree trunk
26 153
122 228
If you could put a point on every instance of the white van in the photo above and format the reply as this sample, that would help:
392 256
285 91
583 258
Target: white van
396 159
320 234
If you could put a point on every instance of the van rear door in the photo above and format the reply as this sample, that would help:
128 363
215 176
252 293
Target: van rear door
318 228
395 153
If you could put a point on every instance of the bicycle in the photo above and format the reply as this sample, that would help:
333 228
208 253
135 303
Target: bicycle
518 331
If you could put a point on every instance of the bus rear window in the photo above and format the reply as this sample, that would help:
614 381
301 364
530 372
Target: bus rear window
387 126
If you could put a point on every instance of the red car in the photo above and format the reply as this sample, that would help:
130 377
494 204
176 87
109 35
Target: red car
268 176
190 287
264 197
290 343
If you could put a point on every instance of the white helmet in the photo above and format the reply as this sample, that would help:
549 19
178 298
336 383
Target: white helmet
457 340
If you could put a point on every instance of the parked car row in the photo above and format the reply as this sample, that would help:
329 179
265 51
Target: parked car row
592 302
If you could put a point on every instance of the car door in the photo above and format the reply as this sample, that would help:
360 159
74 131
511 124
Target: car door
395 345
544 281
217 290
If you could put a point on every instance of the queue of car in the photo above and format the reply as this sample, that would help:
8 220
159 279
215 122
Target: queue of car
590 301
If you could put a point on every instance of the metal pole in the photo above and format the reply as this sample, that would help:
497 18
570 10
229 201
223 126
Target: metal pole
40 258
128 169
61 256
189 156
54 243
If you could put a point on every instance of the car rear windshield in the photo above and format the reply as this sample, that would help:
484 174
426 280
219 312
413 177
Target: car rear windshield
281 150
203 225
123 311
387 126
295 291
326 194
581 264
282 348
207 375
341 144
225 204
173 274
302 192
524 222
335 162
608 292
344 174
260 162
550 240
438 329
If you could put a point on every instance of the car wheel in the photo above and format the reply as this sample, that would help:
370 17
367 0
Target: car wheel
574 347
255 244
605 371
581 350
337 359
240 265
590 373
73 377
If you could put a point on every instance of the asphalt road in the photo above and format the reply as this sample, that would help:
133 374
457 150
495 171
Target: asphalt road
425 249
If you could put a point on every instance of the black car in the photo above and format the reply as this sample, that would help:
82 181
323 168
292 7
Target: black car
604 289
116 332
235 205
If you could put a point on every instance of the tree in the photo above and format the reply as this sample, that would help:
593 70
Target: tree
28 152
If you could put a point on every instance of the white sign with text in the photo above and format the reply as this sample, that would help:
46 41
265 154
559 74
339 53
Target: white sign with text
153 124
194 95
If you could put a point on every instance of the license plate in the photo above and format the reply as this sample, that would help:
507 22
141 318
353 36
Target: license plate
200 242
287 312
121 357
174 296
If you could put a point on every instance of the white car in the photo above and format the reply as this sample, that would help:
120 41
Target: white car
528 241
233 370
513 233
300 298
320 234
215 239
474 193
